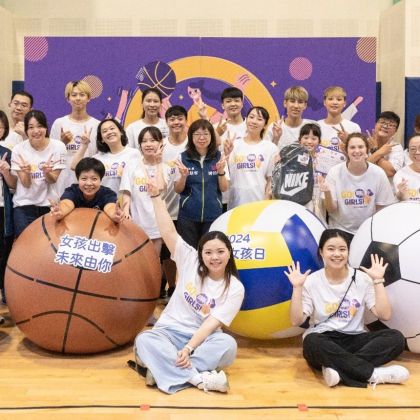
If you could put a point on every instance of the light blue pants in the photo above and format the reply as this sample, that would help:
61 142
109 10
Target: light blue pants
157 350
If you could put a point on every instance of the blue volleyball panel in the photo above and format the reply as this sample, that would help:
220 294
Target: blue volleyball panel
302 245
265 287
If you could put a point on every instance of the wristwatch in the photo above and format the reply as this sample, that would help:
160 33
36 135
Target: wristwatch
190 349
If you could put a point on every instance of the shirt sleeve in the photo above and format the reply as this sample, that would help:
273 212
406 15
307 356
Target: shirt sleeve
227 310
70 194
108 196
125 184
385 195
396 157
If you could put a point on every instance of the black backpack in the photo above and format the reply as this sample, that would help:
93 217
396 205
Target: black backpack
293 176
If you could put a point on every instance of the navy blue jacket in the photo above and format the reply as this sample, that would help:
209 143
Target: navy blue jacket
8 204
201 200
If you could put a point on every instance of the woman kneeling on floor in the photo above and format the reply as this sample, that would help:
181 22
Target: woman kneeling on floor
335 299
187 347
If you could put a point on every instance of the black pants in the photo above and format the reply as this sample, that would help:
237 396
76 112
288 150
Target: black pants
353 356
191 231
6 243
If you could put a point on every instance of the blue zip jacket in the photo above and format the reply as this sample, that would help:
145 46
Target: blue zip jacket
8 204
201 200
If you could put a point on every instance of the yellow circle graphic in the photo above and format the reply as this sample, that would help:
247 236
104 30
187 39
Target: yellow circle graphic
212 68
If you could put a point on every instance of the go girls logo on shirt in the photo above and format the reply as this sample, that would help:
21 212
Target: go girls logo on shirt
36 170
358 197
172 167
250 161
200 302
347 310
333 143
141 183
115 170
74 144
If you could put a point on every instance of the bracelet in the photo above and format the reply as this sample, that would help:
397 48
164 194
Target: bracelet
154 196
190 349
378 281
223 174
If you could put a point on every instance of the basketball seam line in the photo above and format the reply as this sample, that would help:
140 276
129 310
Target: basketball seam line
44 228
132 252
79 277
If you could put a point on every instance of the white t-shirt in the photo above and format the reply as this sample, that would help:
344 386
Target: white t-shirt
249 167
133 131
67 176
114 166
193 302
39 191
396 156
134 180
357 196
413 179
320 299
12 140
329 136
288 136
169 156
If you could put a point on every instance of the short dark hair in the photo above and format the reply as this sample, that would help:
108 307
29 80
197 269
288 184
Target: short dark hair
230 269
232 92
103 147
153 131
90 164
5 122
176 111
307 128
190 148
23 93
389 115
39 117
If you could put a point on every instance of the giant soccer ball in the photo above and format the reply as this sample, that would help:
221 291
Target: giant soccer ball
394 234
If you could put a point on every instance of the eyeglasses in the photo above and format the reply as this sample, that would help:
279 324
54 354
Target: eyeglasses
414 149
21 104
198 135
386 124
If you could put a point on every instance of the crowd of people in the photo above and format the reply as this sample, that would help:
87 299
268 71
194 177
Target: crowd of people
174 178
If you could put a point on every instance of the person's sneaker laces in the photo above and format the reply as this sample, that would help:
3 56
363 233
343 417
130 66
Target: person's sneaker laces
389 375
215 381
331 376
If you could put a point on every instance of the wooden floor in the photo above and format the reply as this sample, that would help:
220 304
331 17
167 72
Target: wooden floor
268 380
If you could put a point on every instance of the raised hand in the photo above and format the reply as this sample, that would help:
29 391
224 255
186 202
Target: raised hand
222 126
228 144
294 275
372 141
386 149
120 213
4 165
48 167
23 165
159 153
20 129
342 133
402 187
55 209
85 137
202 110
277 130
183 170
66 136
323 184
220 165
377 271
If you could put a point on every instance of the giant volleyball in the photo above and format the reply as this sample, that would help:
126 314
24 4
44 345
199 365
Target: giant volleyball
266 237
394 234
83 284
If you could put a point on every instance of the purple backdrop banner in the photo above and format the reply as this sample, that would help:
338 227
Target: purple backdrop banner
188 70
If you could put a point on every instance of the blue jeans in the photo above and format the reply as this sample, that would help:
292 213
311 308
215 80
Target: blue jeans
25 215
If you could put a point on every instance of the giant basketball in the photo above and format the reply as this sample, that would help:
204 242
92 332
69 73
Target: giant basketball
266 237
83 284
394 234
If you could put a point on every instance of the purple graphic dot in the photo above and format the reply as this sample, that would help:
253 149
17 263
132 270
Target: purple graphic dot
300 68
36 48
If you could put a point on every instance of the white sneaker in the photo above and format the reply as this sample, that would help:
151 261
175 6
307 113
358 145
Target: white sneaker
215 381
394 374
331 376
